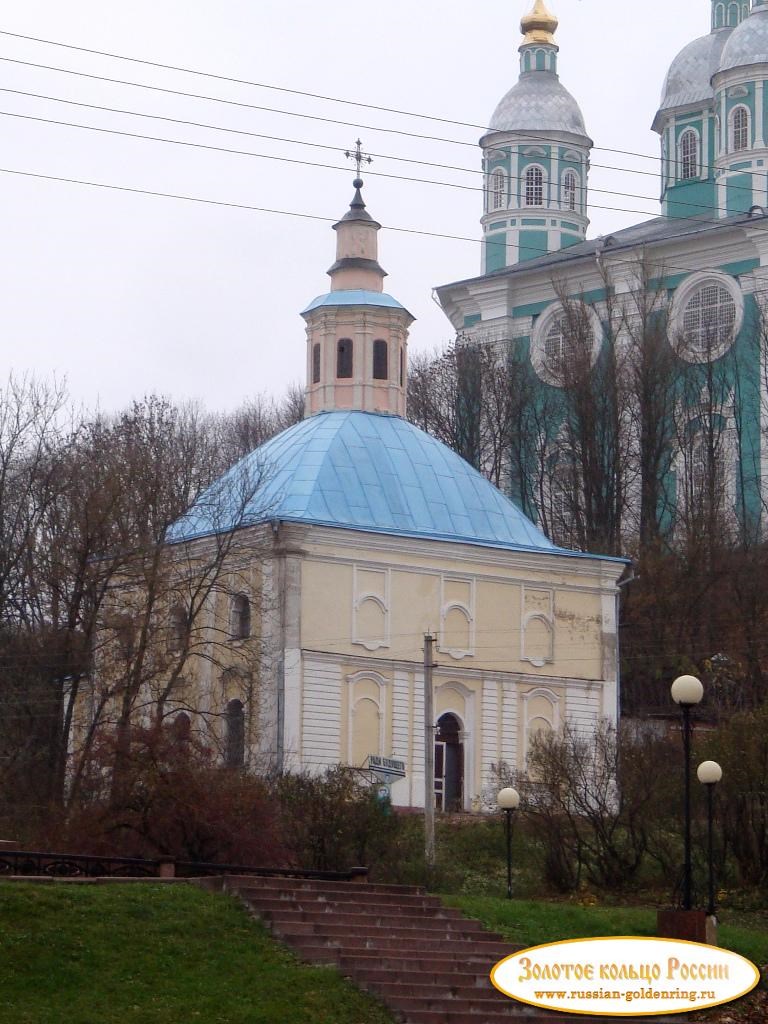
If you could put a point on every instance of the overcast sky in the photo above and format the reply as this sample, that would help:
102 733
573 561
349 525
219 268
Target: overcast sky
125 294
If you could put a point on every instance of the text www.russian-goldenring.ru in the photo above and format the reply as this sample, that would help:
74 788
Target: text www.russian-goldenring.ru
681 995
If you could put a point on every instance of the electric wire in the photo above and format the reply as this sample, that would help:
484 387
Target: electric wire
297 142
304 163
294 92
563 255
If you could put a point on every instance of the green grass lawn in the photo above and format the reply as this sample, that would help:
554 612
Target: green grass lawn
533 923
154 954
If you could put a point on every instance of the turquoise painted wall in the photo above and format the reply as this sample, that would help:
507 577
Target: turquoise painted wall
495 253
739 194
691 199
533 244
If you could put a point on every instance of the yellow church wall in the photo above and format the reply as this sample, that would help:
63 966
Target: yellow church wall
501 618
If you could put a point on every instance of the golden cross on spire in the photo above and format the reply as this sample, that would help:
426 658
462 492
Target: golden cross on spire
358 156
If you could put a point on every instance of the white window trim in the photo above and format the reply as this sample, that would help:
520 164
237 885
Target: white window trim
682 297
544 204
554 701
457 653
381 599
577 205
495 193
539 338
681 159
383 683
732 128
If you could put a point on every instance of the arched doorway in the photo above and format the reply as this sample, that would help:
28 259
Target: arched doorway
449 765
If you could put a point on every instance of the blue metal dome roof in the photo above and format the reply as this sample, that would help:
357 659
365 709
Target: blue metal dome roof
353 297
363 471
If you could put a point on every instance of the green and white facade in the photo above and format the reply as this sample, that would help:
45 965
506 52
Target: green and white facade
710 243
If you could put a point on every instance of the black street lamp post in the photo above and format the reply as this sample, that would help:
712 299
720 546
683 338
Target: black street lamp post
709 773
509 800
687 691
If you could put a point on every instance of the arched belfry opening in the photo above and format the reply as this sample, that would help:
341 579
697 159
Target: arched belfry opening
449 764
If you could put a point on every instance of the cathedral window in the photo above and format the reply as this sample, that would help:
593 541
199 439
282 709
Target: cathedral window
344 358
689 155
565 343
570 185
534 187
316 363
498 190
719 15
739 129
240 617
402 367
733 15
709 319
380 360
707 314
234 738
178 630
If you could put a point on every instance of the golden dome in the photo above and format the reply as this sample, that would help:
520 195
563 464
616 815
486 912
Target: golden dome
540 25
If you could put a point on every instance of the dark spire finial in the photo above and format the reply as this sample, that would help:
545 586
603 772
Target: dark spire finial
360 158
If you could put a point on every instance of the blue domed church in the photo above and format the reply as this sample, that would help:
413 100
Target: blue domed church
695 275
364 535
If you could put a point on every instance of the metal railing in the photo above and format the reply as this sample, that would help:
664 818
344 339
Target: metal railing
35 863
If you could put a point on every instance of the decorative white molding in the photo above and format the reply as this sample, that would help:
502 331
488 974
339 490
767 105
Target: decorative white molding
546 321
380 598
685 292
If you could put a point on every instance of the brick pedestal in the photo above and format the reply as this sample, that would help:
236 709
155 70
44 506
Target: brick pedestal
690 925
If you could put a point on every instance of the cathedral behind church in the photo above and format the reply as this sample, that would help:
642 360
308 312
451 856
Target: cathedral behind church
694 276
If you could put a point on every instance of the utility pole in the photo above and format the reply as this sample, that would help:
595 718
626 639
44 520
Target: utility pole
429 753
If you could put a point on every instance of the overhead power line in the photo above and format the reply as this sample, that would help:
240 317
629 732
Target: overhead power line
333 167
285 89
629 261
277 138
305 163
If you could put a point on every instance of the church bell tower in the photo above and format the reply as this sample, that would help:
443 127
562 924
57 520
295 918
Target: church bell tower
357 334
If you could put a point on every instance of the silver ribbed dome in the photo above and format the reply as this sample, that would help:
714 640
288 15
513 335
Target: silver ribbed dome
689 79
748 43
538 103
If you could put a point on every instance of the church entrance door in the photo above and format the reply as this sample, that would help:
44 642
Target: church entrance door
449 765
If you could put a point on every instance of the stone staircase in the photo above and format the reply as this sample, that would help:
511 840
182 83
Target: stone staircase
427 963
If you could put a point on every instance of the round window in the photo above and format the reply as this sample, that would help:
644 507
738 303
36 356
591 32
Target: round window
564 343
709 319
708 312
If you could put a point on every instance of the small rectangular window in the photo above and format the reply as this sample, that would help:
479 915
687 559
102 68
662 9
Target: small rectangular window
380 368
316 364
344 358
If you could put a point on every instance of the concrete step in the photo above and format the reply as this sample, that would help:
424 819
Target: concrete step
427 963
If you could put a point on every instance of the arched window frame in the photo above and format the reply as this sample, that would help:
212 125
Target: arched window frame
733 14
356 699
740 122
534 186
316 363
178 629
240 617
345 359
553 699
570 186
688 149
498 190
